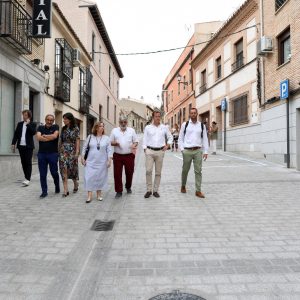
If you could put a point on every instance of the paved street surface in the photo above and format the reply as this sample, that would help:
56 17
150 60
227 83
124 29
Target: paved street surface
241 242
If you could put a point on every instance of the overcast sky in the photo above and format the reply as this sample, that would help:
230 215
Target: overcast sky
144 25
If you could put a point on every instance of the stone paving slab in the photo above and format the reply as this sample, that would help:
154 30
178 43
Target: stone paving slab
241 242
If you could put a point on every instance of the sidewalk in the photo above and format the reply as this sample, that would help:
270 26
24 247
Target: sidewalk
241 242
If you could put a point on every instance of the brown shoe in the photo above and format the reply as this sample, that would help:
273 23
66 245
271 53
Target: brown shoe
200 194
183 189
148 194
156 194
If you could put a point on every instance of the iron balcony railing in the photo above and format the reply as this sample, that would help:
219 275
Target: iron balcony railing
237 64
62 86
202 88
84 106
16 26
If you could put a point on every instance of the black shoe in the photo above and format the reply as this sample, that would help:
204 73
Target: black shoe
57 190
43 195
65 195
129 191
156 194
147 195
118 195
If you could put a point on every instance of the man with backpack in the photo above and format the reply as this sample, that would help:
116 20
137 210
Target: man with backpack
193 143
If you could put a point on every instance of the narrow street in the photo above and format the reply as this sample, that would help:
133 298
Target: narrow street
240 242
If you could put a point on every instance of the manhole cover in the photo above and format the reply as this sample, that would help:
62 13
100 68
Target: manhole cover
177 295
99 225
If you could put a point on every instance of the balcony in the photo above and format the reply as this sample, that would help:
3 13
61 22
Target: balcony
237 64
15 26
202 89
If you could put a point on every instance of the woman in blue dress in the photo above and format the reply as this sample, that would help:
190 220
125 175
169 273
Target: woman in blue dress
98 161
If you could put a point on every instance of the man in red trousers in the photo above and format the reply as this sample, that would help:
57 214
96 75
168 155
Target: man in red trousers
125 141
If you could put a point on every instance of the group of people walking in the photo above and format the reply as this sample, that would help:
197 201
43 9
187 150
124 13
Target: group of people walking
63 147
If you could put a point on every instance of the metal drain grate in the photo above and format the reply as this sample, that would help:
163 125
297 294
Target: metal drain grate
99 225
177 295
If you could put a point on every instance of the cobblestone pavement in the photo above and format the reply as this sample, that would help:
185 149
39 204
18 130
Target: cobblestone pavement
241 242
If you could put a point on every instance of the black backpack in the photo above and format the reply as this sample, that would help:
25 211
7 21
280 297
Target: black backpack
187 124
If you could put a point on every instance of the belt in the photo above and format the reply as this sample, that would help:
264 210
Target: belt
193 148
122 153
155 149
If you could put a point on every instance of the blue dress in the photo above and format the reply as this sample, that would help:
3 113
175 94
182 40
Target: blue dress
96 171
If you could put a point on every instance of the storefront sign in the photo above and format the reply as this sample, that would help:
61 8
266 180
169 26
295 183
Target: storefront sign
41 20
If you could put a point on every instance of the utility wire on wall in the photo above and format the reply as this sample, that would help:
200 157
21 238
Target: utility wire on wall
178 48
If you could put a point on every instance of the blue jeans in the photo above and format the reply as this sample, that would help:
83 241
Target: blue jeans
45 159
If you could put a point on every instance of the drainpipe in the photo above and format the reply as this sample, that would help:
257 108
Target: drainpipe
262 60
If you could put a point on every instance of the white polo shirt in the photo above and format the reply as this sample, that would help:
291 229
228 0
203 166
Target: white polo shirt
124 138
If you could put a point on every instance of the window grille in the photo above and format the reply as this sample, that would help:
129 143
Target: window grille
279 3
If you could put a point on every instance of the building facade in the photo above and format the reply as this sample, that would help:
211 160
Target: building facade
22 79
85 18
178 89
227 68
139 113
280 61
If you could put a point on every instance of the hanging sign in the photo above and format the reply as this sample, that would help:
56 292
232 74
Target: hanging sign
41 19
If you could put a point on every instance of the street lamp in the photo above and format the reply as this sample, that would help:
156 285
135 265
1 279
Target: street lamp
179 80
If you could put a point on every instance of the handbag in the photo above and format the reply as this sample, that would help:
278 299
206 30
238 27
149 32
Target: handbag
86 153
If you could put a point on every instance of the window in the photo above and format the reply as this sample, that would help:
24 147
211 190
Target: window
100 112
239 110
279 3
132 123
218 68
99 59
109 76
190 76
178 88
118 86
203 82
107 108
85 89
284 47
183 114
115 114
93 46
172 95
172 122
63 70
184 78
239 55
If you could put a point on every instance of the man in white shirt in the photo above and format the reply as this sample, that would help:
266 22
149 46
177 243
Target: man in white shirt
193 144
155 145
125 141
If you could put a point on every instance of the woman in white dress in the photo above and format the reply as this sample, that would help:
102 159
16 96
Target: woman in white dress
98 161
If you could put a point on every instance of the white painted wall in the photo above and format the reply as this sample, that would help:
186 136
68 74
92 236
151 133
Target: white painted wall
202 99
251 32
242 77
219 90
251 51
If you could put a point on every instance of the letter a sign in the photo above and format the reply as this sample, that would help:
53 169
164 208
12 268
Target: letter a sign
41 20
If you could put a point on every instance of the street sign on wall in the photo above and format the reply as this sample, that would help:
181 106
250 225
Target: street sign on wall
284 89
224 105
41 19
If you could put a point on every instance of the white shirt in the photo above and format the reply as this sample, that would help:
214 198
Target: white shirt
155 136
23 137
192 137
124 138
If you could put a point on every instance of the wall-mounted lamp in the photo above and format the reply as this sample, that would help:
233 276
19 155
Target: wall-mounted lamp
46 68
36 61
179 80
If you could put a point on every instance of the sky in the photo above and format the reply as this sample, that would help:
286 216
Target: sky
144 25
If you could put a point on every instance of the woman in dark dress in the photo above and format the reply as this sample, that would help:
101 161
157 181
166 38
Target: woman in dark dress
68 152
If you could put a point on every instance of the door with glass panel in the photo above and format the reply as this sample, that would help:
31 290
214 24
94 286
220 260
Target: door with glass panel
7 112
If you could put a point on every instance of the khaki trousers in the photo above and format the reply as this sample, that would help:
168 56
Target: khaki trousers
153 158
189 156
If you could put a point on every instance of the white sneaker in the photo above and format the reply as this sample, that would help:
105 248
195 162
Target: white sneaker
26 182
99 198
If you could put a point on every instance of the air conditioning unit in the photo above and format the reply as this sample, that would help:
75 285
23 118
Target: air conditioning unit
264 45
76 57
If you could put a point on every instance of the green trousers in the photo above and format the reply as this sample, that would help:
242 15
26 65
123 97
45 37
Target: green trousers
188 157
